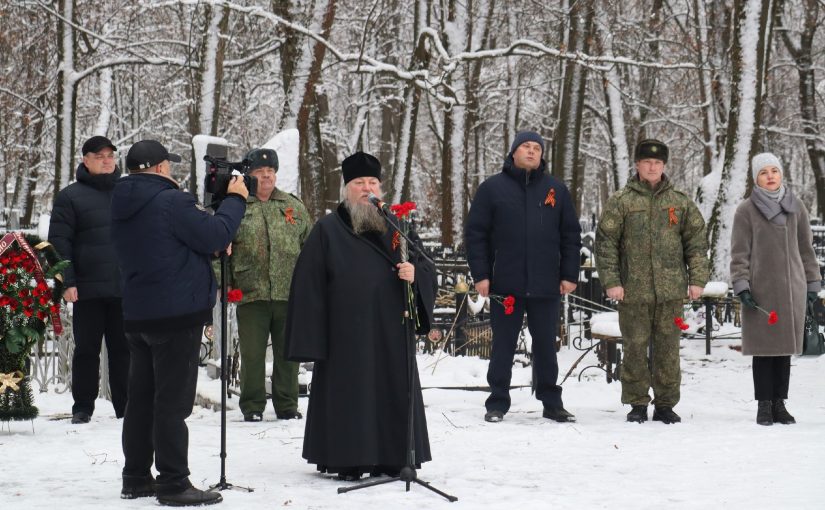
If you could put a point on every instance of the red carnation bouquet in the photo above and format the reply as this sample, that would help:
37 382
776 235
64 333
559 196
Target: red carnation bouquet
28 298
681 324
403 212
508 302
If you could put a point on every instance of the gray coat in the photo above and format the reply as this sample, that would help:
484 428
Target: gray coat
777 263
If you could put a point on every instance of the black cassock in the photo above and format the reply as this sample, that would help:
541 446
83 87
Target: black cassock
346 308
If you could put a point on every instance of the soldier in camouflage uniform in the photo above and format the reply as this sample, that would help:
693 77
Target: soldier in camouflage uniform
651 249
264 253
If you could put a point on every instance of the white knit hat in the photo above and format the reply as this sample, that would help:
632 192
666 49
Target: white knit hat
762 160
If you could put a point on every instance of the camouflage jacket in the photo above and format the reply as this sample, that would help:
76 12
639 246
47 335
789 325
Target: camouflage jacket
651 242
266 247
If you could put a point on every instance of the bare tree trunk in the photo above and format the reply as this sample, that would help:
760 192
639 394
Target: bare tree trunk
206 82
568 130
399 189
311 161
752 20
66 97
801 51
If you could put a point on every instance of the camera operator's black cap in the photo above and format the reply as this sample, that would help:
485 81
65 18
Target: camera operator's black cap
258 158
361 164
95 143
651 149
148 153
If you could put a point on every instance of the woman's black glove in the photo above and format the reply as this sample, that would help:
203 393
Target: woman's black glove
747 299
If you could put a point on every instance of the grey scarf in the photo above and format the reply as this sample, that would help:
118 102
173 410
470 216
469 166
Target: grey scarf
774 205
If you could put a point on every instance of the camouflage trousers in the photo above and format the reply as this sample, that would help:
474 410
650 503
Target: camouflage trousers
639 323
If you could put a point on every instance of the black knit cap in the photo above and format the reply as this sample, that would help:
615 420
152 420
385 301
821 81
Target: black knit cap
651 149
526 136
258 158
361 164
95 143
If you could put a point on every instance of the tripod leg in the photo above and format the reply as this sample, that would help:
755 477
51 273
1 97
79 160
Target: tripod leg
422 483
364 485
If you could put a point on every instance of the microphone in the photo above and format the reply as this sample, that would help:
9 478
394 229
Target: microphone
377 202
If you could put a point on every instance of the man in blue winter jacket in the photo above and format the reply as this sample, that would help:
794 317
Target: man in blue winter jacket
164 241
523 240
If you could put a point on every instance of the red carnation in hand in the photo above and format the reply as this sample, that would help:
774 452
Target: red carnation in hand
234 295
402 210
509 301
773 318
681 323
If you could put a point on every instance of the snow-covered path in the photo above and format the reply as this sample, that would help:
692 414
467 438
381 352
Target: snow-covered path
718 457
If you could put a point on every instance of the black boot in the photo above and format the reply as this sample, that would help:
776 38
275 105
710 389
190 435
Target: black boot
638 414
137 487
665 415
190 497
780 414
559 414
764 415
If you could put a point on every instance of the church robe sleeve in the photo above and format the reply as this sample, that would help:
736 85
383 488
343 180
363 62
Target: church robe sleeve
306 322
426 286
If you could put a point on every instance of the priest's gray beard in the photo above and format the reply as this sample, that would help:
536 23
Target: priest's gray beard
365 217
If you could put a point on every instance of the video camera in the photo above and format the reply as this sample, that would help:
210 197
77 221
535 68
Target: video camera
220 172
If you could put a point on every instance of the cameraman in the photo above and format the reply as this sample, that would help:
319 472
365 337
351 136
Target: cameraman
163 240
263 256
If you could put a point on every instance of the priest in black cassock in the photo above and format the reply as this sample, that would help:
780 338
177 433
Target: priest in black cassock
346 307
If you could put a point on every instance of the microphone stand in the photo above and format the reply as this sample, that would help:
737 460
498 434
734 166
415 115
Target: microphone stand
408 474
223 484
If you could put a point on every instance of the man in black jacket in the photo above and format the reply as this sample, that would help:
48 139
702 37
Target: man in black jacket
523 240
164 241
80 231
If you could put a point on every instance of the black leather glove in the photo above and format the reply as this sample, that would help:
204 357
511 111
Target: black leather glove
812 297
747 299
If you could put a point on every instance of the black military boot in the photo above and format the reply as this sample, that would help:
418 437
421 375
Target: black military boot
190 497
665 415
780 414
638 414
764 415
137 487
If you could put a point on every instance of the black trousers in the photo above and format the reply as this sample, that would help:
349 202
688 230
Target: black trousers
771 377
542 318
94 319
162 381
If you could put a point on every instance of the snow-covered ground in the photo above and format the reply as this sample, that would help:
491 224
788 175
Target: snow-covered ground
716 458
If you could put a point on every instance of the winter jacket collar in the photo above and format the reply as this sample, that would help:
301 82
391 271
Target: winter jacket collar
135 191
773 211
276 195
636 184
521 175
99 181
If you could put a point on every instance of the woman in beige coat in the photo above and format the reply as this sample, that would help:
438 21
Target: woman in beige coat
773 267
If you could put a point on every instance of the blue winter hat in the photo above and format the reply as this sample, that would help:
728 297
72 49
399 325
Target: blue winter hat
526 136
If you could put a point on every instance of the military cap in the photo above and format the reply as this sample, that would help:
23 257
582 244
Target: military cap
258 158
651 149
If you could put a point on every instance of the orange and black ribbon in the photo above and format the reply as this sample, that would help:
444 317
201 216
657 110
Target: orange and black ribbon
289 212
396 240
672 218
550 199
